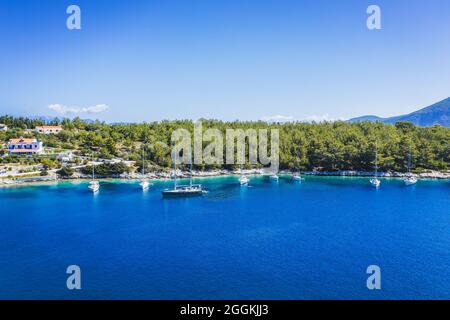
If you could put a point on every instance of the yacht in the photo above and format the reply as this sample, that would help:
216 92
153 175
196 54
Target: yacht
297 177
189 190
94 185
144 184
409 180
375 182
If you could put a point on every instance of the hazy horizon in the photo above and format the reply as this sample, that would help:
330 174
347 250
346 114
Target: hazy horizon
95 118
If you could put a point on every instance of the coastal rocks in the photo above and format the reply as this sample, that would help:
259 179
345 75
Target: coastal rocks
389 174
7 182
136 176
435 175
35 179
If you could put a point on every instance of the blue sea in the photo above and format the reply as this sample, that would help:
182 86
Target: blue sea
285 240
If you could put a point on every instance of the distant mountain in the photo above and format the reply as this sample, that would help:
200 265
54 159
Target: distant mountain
45 119
366 118
436 114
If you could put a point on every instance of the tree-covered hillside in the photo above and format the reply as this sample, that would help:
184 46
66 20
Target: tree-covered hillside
303 146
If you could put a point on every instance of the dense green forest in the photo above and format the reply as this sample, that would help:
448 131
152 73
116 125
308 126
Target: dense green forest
324 146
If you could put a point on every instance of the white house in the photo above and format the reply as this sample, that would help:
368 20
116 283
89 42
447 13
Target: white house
26 146
48 129
65 156
3 127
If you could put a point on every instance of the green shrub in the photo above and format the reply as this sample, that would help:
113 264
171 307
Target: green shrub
65 172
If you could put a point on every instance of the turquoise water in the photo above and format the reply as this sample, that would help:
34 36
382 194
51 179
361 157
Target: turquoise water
268 241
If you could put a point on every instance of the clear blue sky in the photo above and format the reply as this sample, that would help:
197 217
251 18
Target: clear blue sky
234 59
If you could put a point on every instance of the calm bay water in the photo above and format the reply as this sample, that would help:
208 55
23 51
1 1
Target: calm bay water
268 241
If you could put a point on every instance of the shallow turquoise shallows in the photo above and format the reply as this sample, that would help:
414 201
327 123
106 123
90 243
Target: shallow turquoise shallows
269 240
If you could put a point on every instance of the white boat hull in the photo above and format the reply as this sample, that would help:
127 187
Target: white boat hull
95 187
145 185
243 181
183 191
375 183
410 181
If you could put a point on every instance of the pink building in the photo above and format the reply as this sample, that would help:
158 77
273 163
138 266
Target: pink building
49 129
26 146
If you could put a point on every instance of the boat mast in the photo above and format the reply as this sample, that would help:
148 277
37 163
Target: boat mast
143 161
190 169
174 170
376 160
409 160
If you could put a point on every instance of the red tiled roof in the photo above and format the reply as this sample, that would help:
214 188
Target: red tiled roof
22 140
48 127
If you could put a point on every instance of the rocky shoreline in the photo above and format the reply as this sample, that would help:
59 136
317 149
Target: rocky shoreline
424 175
218 173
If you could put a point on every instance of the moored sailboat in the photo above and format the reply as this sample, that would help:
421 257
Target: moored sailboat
409 180
243 179
94 185
145 184
375 182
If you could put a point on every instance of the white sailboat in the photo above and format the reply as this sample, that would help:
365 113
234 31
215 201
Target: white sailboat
375 182
243 179
94 185
297 177
145 184
409 179
182 190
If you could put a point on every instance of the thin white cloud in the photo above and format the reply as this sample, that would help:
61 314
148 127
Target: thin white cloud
64 110
313 118
320 118
277 118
